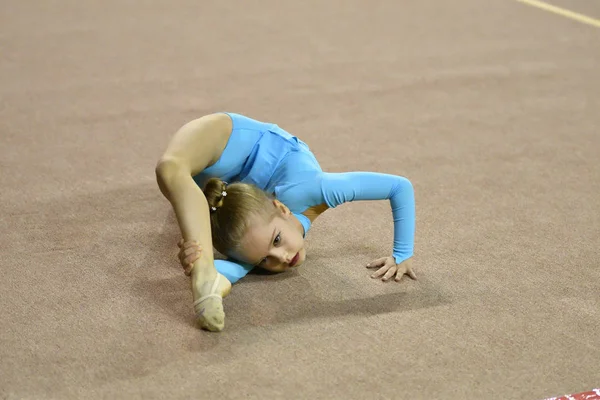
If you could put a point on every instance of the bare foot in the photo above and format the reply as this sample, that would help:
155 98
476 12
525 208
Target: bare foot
208 301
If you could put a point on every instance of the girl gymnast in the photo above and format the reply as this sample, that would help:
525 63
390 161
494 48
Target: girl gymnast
262 190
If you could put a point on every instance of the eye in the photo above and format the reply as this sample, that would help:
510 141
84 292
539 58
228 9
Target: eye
277 239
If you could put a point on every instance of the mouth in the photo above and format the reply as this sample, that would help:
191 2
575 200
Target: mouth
294 260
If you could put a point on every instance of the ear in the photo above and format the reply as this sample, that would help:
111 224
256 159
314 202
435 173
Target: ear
285 211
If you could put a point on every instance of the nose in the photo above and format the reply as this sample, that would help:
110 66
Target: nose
283 256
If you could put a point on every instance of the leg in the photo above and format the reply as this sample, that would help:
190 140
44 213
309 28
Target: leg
192 149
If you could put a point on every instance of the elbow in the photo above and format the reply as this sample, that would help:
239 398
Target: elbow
163 170
167 170
167 167
405 184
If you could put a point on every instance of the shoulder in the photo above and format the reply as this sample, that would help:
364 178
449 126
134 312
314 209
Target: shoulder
212 132
218 124
197 144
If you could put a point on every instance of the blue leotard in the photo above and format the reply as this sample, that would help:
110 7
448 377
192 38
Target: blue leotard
281 164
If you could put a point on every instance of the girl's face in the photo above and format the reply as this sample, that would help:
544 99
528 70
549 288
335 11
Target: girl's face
275 245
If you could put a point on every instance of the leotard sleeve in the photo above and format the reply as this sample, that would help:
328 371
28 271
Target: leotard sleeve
339 188
232 270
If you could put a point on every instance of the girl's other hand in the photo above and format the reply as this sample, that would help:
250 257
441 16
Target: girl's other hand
388 269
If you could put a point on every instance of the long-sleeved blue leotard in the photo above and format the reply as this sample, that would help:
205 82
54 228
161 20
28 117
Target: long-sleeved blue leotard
267 156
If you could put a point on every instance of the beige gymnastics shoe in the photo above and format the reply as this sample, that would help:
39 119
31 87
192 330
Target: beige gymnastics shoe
209 307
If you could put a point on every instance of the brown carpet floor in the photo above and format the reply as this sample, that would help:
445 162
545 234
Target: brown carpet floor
491 108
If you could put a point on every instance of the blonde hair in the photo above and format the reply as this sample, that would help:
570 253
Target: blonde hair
231 210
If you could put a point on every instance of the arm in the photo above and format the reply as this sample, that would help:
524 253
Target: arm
339 188
194 147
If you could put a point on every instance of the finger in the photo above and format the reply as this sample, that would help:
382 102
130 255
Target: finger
190 243
188 253
399 276
182 253
380 272
191 250
391 272
377 263
189 260
411 274
184 244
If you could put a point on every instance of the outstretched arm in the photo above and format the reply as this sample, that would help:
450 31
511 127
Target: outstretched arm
339 188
